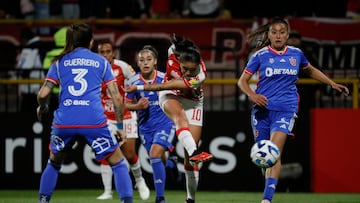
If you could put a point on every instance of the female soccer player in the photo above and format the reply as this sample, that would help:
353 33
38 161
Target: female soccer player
182 101
156 130
122 72
276 98
80 73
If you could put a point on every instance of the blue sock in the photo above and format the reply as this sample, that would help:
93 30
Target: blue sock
122 181
159 175
48 181
170 164
270 186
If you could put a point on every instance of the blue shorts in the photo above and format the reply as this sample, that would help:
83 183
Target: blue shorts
99 139
164 137
264 122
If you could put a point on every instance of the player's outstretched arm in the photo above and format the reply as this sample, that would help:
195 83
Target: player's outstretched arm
176 84
42 98
117 101
320 76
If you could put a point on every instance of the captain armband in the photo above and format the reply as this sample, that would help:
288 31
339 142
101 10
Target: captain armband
119 126
139 87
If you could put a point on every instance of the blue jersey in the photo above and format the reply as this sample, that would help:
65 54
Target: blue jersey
80 74
152 117
278 74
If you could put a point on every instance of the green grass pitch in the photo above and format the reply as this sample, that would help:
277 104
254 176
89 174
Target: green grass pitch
178 196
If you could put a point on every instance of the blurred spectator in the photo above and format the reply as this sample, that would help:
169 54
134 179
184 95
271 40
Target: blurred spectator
60 41
27 8
353 8
71 9
160 8
144 8
205 9
42 13
175 8
309 94
295 39
166 8
29 61
249 9
124 9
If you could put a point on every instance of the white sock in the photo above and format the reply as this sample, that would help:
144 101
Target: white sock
106 175
136 171
186 139
192 180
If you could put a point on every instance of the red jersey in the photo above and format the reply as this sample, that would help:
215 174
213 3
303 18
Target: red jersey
195 84
122 71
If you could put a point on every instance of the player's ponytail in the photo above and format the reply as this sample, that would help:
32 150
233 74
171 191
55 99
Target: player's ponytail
185 49
181 44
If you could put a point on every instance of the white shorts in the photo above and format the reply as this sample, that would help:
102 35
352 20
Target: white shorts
130 126
194 110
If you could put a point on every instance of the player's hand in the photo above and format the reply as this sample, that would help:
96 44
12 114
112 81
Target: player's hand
40 111
259 100
131 88
143 103
341 88
121 137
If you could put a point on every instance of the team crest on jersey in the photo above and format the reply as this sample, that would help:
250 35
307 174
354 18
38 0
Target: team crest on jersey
271 60
292 61
116 72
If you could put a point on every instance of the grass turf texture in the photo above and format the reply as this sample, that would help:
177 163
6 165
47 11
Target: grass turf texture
177 196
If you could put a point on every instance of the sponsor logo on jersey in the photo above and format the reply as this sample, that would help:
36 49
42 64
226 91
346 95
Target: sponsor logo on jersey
76 102
279 71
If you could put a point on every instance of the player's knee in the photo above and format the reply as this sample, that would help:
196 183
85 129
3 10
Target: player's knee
55 164
132 158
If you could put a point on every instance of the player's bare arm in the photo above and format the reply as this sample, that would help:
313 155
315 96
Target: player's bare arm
45 91
243 83
320 76
175 84
117 101
42 96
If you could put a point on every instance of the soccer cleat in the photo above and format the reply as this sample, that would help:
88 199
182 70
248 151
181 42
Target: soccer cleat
44 198
160 200
199 156
143 189
105 196
189 201
265 201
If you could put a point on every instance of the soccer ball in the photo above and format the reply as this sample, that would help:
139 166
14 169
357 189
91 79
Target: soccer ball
264 154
